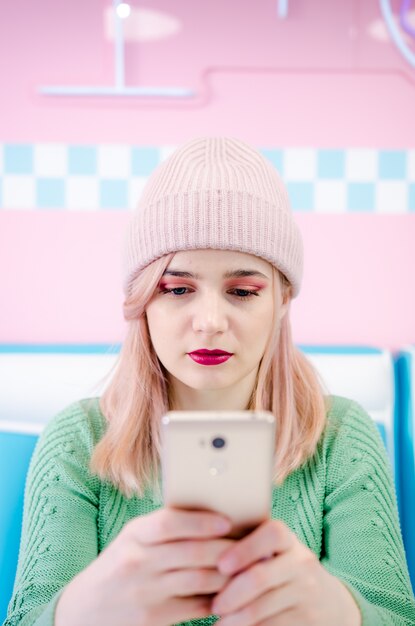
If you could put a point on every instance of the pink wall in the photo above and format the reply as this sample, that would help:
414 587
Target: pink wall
316 79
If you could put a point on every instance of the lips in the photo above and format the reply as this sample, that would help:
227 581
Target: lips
210 357
211 352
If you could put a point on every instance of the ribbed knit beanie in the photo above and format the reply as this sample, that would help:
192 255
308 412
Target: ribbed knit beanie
214 193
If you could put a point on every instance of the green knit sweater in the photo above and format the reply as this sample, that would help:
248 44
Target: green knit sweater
341 503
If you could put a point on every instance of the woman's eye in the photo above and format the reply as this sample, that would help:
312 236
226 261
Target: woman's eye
242 294
173 291
247 293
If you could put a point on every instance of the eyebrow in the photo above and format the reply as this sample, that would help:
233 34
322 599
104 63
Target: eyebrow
229 274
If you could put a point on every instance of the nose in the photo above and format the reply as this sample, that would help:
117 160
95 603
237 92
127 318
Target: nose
209 315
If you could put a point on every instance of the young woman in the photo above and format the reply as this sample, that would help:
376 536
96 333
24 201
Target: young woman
213 259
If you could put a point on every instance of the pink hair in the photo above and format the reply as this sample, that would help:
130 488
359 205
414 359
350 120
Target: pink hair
137 396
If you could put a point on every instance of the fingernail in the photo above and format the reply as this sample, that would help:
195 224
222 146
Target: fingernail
227 565
222 526
217 608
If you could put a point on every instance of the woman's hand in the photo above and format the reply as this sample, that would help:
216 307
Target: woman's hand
158 571
277 581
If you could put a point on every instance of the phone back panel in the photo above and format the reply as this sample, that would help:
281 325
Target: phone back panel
234 478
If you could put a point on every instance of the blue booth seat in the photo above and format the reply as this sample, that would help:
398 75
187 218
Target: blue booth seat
16 449
405 380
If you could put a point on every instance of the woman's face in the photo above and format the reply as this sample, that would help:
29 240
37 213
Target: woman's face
212 299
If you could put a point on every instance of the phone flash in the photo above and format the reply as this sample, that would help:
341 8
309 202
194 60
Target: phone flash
217 467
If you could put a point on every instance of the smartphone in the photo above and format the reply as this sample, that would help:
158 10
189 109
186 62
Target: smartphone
220 461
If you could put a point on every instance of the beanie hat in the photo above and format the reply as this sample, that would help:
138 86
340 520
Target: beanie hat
214 193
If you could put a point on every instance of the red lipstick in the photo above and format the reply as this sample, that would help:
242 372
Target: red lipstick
209 357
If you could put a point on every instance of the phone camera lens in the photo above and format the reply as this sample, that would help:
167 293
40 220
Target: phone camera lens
218 442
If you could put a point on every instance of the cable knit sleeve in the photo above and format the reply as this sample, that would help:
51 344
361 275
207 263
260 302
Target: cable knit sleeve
59 532
362 538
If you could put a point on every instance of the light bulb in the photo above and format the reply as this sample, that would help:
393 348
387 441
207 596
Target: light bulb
123 10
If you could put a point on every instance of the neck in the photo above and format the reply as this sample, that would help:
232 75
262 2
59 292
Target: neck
237 398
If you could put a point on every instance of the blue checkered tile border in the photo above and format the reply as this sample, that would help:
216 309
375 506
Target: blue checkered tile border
52 176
